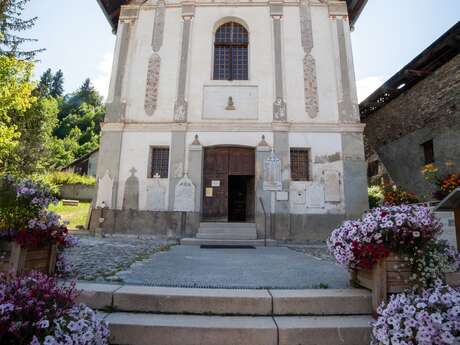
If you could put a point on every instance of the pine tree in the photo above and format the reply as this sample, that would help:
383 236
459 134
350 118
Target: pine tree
57 86
45 85
11 24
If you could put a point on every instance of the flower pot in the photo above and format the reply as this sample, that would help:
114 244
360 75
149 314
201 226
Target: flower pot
389 276
19 259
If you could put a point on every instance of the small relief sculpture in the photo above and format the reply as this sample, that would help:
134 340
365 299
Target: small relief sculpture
178 170
184 195
279 110
272 173
104 191
180 111
230 104
153 80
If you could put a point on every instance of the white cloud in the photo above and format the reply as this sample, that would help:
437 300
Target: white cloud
368 85
102 79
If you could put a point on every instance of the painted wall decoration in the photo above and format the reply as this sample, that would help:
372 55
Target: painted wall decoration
309 64
153 81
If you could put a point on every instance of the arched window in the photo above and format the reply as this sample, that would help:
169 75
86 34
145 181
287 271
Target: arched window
231 52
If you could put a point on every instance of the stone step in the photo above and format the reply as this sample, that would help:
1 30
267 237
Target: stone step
217 242
226 231
226 225
162 329
320 302
227 236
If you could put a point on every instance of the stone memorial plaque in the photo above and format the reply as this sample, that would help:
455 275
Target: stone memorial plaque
272 173
104 191
282 196
184 196
332 186
297 193
315 195
156 196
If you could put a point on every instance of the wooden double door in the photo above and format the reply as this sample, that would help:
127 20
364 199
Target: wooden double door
228 180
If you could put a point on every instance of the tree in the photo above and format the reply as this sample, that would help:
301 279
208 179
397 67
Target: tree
57 86
46 83
15 99
11 24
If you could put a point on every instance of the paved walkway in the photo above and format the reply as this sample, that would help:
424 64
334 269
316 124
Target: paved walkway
269 268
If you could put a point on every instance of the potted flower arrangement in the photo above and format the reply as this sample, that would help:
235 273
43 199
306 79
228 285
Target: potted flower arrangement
430 317
36 310
29 233
445 183
392 248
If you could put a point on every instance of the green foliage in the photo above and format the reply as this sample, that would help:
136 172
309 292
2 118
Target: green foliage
375 194
15 99
60 178
11 24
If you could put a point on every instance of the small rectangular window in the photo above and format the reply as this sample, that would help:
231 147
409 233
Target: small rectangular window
159 162
428 151
300 164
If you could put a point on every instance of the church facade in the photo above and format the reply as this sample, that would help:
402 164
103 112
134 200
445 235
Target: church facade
239 111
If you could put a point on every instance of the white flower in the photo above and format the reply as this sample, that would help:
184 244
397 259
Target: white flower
416 234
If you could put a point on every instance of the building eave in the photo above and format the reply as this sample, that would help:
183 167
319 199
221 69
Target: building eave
111 9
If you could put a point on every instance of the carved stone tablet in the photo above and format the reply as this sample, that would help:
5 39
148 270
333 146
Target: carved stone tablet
315 195
184 196
156 196
332 179
104 191
272 173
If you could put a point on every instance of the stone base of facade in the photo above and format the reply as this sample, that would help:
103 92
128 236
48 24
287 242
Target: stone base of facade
170 224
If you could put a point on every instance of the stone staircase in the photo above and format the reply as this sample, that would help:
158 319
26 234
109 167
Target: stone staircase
176 316
225 234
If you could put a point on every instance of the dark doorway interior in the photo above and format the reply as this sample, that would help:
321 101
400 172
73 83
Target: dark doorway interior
240 196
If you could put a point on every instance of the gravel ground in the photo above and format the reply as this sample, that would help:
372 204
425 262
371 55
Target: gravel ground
100 259
319 252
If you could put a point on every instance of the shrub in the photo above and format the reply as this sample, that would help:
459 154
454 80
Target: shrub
375 195
60 178
36 310
429 317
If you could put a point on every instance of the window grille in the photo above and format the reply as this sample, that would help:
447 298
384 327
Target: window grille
300 164
160 162
231 52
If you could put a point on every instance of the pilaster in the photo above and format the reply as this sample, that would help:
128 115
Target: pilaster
279 106
180 106
263 150
195 170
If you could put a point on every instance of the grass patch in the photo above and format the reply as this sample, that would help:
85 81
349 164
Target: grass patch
75 215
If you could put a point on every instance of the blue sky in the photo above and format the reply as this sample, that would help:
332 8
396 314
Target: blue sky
387 36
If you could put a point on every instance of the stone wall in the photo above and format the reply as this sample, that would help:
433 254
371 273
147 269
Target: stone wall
428 110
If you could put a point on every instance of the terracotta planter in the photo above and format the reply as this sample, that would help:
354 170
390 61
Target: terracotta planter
390 275
19 259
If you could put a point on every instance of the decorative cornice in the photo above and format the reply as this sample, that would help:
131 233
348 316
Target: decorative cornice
233 127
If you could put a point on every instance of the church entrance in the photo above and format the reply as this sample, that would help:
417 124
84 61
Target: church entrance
229 189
